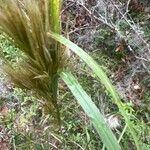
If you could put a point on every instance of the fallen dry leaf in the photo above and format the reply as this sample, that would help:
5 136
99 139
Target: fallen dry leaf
4 111
3 146
136 87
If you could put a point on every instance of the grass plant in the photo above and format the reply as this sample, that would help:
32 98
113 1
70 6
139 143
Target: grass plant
34 28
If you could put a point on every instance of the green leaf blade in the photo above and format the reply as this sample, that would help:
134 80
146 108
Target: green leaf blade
103 79
92 111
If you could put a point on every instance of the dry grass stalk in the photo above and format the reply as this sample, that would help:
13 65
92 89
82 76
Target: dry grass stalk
26 24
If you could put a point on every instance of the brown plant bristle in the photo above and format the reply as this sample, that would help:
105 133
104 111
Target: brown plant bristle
26 23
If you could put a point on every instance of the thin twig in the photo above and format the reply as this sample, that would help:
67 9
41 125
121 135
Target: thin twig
127 8
147 45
